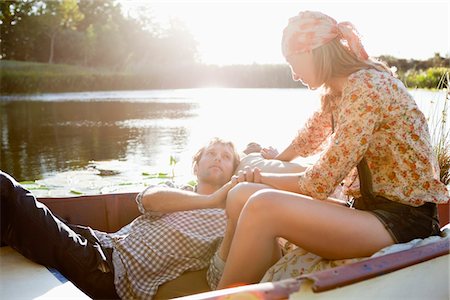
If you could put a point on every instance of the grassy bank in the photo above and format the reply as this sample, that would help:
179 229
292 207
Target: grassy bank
31 77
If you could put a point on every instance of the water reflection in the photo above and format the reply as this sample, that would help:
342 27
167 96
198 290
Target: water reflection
44 135
41 137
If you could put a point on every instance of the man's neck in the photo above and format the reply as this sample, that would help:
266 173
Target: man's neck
206 189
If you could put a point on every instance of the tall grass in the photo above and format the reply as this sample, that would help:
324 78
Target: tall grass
440 134
32 77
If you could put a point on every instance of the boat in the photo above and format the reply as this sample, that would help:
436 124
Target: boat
418 273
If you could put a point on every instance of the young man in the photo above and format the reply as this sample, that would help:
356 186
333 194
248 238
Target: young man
158 246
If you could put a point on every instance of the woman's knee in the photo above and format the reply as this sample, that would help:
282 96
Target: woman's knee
260 204
237 197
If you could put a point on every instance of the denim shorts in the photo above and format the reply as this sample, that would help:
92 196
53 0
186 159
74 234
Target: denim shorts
403 222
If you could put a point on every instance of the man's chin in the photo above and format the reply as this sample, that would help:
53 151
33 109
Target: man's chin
218 181
216 177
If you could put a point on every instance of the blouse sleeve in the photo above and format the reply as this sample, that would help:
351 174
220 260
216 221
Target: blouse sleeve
358 115
311 138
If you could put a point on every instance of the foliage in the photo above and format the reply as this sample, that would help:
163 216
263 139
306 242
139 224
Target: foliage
56 16
425 79
405 65
89 32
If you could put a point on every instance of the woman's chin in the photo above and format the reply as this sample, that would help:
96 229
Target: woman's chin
310 86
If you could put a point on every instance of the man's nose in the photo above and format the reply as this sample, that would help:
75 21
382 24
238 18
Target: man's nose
295 77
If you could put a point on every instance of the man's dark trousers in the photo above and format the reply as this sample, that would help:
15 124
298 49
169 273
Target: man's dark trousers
30 228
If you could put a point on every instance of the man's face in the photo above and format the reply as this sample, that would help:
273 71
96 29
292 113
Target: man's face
216 165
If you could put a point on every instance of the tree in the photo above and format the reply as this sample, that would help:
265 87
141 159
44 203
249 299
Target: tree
92 32
56 16
177 44
17 29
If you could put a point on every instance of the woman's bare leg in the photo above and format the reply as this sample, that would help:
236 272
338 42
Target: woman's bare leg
328 230
236 199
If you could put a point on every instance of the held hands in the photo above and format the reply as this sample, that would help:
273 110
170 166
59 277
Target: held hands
218 198
266 152
269 153
247 175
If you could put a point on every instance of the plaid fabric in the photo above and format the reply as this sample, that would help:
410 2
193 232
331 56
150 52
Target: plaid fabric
155 248
215 271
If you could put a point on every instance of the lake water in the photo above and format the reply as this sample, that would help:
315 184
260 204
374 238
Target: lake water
99 142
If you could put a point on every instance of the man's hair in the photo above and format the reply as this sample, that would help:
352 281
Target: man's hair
236 159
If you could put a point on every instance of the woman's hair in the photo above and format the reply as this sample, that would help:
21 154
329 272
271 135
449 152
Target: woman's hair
335 59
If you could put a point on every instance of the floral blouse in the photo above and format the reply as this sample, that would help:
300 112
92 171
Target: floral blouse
376 118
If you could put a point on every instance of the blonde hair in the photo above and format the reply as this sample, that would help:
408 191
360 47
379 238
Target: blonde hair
335 59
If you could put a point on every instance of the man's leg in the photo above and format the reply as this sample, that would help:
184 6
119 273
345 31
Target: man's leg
30 228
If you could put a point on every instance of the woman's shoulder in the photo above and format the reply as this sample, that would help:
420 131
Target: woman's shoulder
365 75
366 80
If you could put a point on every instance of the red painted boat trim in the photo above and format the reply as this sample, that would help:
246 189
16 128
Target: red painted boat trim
363 270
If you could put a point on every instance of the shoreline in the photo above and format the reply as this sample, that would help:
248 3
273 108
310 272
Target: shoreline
18 77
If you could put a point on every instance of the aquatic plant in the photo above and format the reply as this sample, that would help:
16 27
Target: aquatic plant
173 160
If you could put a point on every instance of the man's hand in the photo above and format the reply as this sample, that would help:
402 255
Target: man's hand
219 197
269 153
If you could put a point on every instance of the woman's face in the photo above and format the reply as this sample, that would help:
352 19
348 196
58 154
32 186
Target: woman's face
302 67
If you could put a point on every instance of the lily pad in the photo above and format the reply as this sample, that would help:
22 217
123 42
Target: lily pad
27 182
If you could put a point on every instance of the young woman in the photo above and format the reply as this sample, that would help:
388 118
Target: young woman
373 140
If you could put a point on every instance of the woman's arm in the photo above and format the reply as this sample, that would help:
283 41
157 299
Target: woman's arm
308 141
280 181
285 182
287 154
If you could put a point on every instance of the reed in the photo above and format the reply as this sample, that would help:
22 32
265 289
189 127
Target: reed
440 133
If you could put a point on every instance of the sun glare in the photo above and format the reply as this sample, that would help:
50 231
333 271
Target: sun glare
247 32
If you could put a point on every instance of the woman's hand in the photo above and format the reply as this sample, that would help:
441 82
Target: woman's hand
269 153
248 175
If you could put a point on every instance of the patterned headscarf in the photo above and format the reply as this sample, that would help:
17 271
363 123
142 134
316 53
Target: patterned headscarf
309 30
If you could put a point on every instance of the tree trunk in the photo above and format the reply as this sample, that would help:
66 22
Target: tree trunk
52 47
